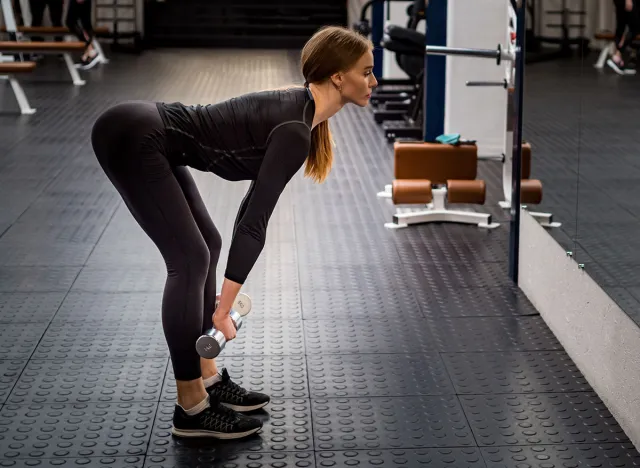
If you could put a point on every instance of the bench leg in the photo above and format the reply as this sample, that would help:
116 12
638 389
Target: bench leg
75 76
23 102
604 55
98 48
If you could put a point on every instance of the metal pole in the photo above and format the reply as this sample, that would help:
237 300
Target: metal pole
516 173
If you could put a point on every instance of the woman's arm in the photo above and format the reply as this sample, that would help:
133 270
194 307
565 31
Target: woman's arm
288 148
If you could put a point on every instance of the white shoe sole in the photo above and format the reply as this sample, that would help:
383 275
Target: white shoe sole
212 434
245 409
614 66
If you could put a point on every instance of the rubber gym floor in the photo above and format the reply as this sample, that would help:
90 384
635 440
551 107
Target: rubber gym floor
385 348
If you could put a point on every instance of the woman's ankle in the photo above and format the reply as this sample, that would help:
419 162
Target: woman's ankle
190 392
208 368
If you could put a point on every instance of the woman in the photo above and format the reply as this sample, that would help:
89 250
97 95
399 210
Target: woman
626 16
266 137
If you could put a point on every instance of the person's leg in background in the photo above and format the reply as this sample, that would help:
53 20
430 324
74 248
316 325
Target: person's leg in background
56 10
37 15
79 23
625 12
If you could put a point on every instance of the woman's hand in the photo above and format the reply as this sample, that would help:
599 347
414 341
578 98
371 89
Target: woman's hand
223 323
629 5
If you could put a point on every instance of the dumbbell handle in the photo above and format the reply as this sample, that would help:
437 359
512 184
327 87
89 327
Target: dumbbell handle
211 344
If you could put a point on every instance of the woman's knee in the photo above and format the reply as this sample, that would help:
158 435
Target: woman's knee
191 262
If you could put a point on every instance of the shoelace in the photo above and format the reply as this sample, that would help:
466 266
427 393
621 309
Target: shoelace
219 416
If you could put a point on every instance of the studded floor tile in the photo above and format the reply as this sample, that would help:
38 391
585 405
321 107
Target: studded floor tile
75 431
287 428
267 337
90 380
19 340
322 303
449 276
389 335
10 371
505 300
106 339
458 457
98 462
578 455
29 307
544 418
37 279
458 245
370 375
277 376
129 279
235 460
111 307
363 277
385 423
516 372
493 334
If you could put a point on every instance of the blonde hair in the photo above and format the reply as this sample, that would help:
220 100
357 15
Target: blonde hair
331 50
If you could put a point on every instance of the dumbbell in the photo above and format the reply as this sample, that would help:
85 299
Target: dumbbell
211 344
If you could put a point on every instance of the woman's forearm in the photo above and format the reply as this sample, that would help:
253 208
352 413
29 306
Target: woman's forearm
230 290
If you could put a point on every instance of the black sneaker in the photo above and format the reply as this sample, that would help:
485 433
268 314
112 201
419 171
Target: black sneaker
216 421
235 397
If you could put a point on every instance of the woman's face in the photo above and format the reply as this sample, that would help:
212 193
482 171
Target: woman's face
358 82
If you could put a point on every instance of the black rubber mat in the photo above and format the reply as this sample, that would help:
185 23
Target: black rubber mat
371 375
90 381
458 457
75 430
493 334
10 371
388 423
23 307
515 372
542 418
229 459
587 455
399 348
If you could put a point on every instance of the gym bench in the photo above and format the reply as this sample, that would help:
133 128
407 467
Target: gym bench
7 71
51 48
63 31
434 174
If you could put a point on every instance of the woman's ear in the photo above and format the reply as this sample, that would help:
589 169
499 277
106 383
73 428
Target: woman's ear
337 80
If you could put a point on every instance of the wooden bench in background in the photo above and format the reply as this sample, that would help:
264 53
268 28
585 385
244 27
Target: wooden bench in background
8 70
62 31
56 48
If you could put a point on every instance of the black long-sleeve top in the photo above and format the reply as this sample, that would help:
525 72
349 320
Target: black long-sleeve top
263 137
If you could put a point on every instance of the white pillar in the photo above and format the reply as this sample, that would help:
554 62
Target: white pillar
477 113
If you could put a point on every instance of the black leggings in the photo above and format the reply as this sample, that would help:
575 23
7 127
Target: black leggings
626 19
163 198
55 14
79 20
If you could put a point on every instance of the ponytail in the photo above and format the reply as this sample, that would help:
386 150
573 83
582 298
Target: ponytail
320 157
